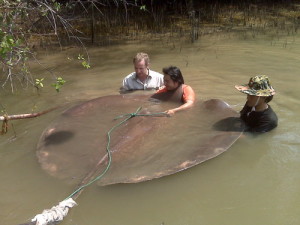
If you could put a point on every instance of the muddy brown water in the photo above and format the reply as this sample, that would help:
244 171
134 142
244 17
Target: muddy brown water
255 182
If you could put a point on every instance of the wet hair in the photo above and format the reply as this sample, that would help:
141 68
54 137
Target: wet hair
268 99
175 74
142 56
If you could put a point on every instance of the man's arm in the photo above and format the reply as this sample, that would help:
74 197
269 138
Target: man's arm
125 86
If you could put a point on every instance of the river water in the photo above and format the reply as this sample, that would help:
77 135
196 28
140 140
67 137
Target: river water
256 181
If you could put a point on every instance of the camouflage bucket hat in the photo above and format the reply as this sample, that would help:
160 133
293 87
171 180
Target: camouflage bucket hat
258 86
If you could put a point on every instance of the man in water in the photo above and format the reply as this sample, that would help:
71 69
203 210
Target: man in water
143 78
257 113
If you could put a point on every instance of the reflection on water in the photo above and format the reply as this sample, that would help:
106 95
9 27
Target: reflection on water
255 181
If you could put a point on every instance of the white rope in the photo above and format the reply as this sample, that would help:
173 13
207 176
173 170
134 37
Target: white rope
55 214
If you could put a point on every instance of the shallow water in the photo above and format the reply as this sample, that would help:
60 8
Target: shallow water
255 182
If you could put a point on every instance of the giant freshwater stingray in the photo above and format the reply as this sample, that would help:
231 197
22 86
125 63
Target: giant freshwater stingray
148 145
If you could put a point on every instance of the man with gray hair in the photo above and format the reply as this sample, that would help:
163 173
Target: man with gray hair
143 78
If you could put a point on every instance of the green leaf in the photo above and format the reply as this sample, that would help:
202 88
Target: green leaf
143 8
85 65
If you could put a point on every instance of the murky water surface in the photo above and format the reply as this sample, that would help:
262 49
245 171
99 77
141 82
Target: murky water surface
255 182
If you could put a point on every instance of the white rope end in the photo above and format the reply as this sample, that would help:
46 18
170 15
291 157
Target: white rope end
55 214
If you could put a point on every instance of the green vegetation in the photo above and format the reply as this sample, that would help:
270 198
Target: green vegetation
27 25
18 27
84 62
59 83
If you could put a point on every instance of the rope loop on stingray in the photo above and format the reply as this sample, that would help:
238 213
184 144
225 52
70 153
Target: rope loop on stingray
129 116
57 213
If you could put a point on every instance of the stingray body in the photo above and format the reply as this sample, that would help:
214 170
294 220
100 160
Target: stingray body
73 147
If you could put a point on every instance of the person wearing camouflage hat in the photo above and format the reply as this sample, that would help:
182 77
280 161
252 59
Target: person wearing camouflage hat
257 113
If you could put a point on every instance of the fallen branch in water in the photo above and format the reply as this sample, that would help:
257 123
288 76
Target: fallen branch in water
5 118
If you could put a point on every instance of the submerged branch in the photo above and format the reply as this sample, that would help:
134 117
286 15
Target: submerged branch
6 118
26 115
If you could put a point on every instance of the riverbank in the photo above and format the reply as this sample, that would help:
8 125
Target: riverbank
106 25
